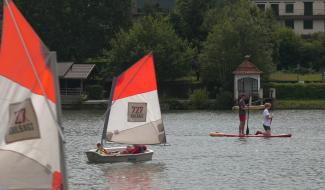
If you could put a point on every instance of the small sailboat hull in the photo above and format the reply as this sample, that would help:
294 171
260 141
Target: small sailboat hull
114 156
218 134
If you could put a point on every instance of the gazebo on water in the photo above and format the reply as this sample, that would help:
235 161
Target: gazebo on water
247 80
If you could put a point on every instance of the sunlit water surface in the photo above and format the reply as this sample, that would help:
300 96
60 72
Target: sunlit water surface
194 160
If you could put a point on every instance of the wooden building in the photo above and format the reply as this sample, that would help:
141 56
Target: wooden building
72 79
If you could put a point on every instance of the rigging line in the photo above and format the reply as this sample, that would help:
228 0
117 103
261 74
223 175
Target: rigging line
34 69
109 104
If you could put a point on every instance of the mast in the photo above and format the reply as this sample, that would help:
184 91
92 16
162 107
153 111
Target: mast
109 105
53 62
164 138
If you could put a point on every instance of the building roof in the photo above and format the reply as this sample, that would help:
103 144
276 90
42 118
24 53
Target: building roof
62 68
68 70
247 68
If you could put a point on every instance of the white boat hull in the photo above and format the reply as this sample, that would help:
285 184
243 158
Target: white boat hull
114 157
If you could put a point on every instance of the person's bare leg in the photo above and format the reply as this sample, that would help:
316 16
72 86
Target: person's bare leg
267 133
241 127
259 133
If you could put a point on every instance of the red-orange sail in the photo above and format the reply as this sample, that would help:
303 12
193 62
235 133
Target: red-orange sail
139 78
21 47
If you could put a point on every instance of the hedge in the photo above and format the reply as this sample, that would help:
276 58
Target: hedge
298 90
300 104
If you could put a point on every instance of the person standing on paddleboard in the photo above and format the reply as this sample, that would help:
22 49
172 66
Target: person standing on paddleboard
242 114
267 119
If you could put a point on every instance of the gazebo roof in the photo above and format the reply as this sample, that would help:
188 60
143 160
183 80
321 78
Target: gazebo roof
246 67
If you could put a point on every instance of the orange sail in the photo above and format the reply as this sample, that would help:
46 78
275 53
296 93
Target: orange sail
20 45
139 78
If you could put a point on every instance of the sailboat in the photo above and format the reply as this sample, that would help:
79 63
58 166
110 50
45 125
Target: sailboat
133 115
31 150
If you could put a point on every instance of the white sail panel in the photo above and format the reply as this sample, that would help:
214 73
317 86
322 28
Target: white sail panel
31 161
145 127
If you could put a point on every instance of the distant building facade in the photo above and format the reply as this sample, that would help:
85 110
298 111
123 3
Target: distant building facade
305 17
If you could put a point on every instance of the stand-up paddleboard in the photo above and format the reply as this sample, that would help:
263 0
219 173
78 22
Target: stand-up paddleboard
251 107
218 134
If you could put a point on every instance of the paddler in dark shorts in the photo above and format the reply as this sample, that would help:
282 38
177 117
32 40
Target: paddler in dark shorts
242 114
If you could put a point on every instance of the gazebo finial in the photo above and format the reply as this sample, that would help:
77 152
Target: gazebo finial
247 57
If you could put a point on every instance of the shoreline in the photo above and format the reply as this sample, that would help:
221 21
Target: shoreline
181 104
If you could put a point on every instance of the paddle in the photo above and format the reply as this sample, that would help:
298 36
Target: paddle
247 128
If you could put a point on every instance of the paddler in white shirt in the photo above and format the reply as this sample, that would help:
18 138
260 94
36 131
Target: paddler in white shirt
267 120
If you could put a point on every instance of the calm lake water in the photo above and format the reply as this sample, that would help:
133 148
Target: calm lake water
194 160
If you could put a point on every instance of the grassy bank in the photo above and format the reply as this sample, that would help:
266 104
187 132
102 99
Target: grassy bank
299 104
286 76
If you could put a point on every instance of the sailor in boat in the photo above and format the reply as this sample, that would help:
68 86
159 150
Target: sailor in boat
267 120
101 150
135 149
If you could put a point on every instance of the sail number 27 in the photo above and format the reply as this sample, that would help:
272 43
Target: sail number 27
137 112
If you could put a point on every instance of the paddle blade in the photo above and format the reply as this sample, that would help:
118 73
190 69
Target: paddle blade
247 131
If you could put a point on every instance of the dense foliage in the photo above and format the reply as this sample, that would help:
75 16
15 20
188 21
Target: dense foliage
172 55
241 29
76 29
214 34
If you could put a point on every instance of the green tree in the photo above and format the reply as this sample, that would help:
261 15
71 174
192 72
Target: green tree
77 29
241 30
188 19
289 48
313 52
172 55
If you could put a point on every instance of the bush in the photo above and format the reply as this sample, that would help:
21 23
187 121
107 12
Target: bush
95 92
299 91
224 100
199 98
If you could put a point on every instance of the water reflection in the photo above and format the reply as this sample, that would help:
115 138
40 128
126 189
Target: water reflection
127 176
242 140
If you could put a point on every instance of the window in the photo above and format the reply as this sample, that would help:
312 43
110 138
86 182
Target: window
261 7
275 9
308 24
289 24
247 85
308 8
289 8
